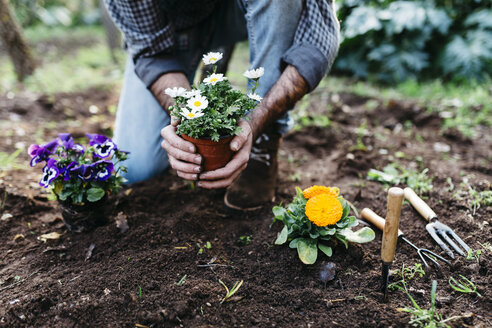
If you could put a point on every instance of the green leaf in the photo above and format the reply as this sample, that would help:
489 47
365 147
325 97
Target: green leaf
64 194
95 194
325 249
282 236
346 208
360 236
279 213
327 232
293 243
307 250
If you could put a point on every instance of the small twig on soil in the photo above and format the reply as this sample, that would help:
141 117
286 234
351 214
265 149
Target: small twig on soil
456 317
18 282
89 252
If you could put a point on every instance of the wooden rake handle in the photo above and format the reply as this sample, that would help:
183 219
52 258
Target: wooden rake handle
390 231
417 202
370 216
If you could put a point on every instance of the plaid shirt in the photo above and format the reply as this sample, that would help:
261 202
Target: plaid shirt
149 34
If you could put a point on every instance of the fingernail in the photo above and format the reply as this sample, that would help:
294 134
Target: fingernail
192 149
198 169
193 176
234 146
198 159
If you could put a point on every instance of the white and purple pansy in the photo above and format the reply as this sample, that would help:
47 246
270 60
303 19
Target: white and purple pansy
66 171
40 153
103 169
50 173
103 146
84 172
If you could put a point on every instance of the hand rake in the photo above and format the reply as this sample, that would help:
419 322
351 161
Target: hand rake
423 253
436 228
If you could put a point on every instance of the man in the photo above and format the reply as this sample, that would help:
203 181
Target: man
294 40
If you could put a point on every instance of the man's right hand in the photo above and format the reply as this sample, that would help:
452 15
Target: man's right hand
182 154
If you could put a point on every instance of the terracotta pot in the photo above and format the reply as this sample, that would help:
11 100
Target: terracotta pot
215 154
82 218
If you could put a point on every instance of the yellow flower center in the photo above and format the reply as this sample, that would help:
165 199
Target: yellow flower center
213 59
191 115
323 210
213 79
197 103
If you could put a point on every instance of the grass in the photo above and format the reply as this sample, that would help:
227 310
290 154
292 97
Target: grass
463 106
230 292
463 285
394 174
9 161
65 65
407 274
423 317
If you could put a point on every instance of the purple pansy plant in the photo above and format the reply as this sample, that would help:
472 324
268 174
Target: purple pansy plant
78 172
103 146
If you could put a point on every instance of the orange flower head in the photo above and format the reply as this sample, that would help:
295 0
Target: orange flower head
323 210
318 190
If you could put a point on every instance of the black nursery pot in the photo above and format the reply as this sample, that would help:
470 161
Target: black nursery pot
82 218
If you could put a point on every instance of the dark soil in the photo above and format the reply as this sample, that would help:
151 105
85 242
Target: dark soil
110 278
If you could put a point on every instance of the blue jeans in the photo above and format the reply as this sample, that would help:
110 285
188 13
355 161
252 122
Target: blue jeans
269 26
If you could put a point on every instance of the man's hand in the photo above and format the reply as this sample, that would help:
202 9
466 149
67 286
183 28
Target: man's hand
182 154
224 176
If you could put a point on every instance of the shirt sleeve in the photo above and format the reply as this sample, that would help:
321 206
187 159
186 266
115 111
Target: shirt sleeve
149 37
316 41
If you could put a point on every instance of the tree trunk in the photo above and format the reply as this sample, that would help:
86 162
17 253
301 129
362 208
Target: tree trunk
14 42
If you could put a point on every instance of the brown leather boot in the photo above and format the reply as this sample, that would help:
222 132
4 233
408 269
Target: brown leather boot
256 184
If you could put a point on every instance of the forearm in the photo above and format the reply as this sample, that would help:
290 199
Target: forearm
289 88
168 80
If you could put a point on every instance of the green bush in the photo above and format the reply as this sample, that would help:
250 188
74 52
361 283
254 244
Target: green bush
391 41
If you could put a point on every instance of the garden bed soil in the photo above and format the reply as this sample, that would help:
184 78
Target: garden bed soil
110 277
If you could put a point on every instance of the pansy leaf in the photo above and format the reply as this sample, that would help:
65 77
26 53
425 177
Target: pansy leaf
282 236
293 243
95 194
307 250
325 249
64 194
360 236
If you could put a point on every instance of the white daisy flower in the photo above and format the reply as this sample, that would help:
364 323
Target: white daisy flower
197 103
214 78
212 58
175 92
191 114
192 93
254 73
254 96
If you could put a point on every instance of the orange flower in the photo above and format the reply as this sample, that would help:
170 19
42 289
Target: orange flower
323 210
318 190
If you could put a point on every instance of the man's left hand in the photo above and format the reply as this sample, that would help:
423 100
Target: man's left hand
225 176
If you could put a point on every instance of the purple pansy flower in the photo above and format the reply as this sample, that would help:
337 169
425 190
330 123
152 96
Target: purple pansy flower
67 142
40 153
50 173
103 146
65 171
103 169
84 171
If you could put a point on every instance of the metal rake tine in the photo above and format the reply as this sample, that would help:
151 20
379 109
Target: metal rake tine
459 240
444 234
421 255
431 256
432 232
